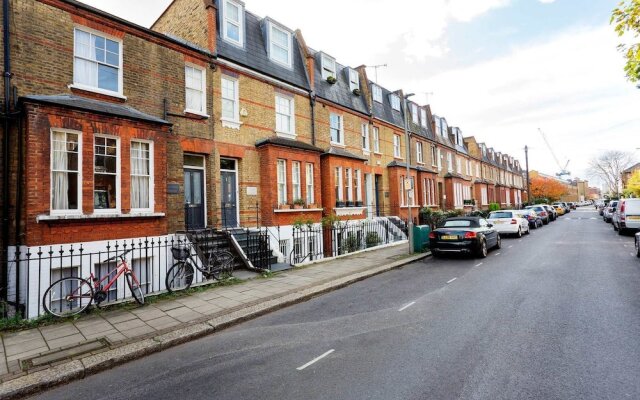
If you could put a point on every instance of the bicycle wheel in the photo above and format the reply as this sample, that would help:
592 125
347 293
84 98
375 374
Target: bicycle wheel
67 296
179 276
134 286
221 265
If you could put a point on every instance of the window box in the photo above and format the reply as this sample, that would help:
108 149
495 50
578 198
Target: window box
331 79
284 206
350 204
359 204
340 204
469 202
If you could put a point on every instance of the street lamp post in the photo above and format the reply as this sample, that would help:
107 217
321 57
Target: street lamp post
526 160
407 184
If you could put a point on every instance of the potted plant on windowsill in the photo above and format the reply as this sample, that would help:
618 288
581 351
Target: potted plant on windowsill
298 204
358 204
340 204
356 92
331 79
350 203
284 206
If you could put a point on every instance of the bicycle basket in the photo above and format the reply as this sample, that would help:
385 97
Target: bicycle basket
180 252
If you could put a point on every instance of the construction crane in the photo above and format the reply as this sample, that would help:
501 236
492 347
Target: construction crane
563 171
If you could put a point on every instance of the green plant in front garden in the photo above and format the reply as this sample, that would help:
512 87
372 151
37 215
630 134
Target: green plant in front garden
372 239
494 207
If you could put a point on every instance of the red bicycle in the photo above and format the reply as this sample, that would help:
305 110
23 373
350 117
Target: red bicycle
72 295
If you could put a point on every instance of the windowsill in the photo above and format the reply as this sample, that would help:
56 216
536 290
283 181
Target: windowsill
194 113
377 153
230 123
342 211
286 135
398 158
67 217
294 210
97 90
338 144
418 162
416 206
366 152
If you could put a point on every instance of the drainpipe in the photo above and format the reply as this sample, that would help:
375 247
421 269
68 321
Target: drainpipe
312 101
6 164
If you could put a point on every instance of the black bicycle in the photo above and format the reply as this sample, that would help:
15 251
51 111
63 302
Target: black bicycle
217 265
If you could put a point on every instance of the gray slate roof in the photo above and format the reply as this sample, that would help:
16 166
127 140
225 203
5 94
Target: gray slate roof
413 167
336 151
338 92
384 111
96 106
254 54
279 141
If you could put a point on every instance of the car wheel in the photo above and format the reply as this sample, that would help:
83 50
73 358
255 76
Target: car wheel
519 234
483 252
615 228
528 232
621 231
498 242
435 254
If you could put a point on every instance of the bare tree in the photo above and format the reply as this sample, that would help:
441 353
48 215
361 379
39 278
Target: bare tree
608 167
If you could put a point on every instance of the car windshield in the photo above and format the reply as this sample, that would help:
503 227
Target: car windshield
458 223
501 214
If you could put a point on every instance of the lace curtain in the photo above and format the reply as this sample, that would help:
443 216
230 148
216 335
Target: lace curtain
60 177
140 175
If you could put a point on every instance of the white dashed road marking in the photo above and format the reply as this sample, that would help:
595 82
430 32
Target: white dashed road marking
477 265
497 254
407 306
448 282
315 360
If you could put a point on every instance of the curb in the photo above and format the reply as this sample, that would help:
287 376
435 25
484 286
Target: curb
92 364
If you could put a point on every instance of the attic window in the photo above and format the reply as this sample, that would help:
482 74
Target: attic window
233 25
377 93
354 80
395 102
328 66
423 118
280 45
443 127
414 114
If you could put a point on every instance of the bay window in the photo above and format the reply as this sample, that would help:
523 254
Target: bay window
309 182
295 180
66 163
282 181
141 176
106 174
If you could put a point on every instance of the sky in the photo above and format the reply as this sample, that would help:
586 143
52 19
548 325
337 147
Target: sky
498 69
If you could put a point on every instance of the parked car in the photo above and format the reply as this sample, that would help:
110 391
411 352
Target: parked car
564 205
626 215
559 209
509 222
467 235
608 211
572 205
534 219
553 214
542 213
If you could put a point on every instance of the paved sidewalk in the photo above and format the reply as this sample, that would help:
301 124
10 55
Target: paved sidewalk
40 357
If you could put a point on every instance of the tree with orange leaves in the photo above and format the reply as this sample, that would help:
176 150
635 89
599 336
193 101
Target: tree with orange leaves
547 188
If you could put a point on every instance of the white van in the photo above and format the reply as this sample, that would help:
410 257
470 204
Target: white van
627 215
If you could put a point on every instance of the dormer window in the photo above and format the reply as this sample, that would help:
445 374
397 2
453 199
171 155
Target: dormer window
280 45
414 114
328 66
377 93
395 102
233 22
354 80
423 118
443 127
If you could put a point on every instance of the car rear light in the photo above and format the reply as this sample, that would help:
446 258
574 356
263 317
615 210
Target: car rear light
543 213
513 222
622 207
470 235
432 235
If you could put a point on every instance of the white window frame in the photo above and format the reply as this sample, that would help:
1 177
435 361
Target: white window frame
423 117
483 196
394 99
419 154
340 131
434 156
377 93
96 89
328 66
240 23
397 146
354 80
403 192
425 190
439 157
358 187
348 176
77 211
296 181
338 183
281 177
234 121
477 170
118 174
151 178
203 90
376 139
310 195
272 44
449 162
411 193
459 165
364 131
414 114
291 132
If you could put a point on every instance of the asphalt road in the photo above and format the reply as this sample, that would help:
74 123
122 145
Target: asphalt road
554 315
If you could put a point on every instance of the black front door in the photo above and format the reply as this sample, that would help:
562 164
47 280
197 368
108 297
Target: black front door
377 190
229 199
194 198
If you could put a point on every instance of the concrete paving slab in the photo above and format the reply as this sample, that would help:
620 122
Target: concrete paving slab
163 322
66 341
53 332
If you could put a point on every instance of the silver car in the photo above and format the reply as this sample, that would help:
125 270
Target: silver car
607 213
626 216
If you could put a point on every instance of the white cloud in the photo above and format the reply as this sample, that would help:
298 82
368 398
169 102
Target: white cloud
546 1
572 87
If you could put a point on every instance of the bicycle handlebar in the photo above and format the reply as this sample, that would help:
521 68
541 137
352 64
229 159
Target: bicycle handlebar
117 256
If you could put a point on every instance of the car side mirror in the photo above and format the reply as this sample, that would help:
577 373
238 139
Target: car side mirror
490 225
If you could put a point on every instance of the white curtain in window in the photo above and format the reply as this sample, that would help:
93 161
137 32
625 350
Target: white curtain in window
60 177
140 175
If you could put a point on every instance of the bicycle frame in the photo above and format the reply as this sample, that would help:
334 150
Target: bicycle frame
121 268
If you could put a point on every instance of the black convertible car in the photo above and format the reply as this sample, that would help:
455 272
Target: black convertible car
472 235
